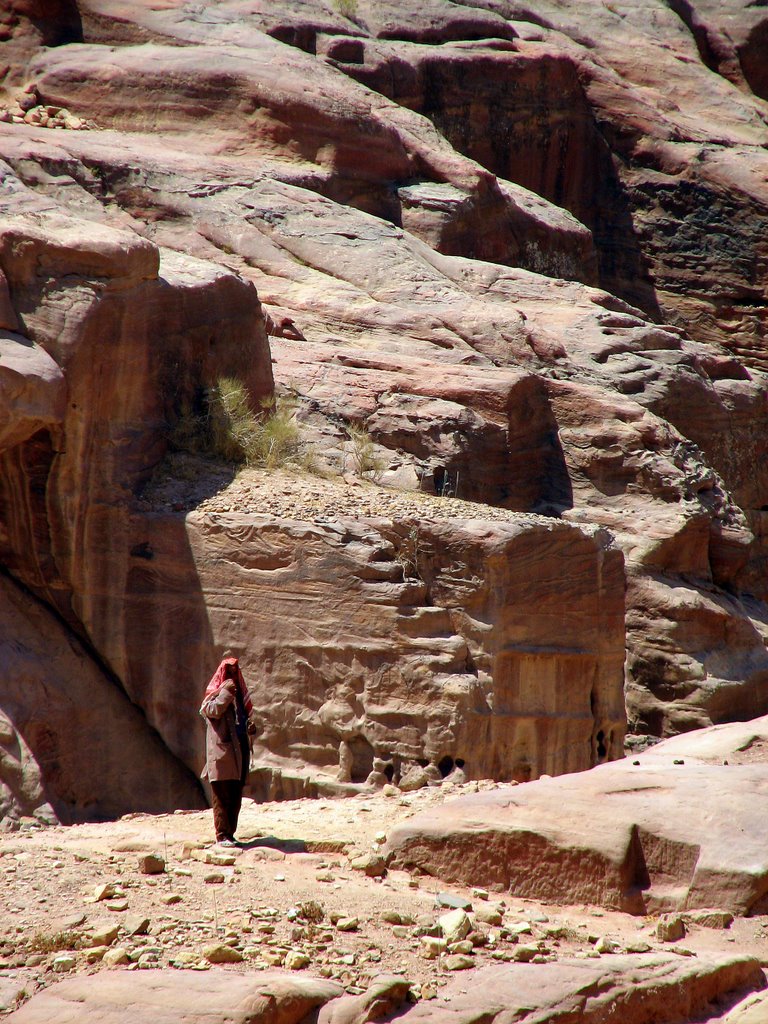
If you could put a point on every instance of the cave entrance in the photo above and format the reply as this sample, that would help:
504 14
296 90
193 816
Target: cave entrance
362 758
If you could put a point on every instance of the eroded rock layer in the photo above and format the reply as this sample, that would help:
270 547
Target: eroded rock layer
494 645
645 987
620 835
489 238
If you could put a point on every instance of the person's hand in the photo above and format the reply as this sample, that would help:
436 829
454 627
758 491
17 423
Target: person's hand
254 727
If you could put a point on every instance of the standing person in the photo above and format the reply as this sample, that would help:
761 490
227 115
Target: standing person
226 707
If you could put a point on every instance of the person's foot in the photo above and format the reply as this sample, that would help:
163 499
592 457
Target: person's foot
229 844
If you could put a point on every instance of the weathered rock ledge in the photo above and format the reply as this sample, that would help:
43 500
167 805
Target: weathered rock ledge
619 835
648 989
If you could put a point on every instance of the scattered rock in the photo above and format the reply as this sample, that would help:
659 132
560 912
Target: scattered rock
104 935
347 924
519 928
220 953
447 899
95 954
491 914
670 928
524 953
136 925
216 857
415 778
455 925
463 946
185 958
458 962
638 947
373 864
431 947
151 864
607 945
116 956
64 962
104 892
296 960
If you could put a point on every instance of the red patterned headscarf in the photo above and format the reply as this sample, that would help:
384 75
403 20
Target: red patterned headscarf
220 676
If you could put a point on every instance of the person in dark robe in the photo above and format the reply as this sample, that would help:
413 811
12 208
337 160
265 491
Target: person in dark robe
226 709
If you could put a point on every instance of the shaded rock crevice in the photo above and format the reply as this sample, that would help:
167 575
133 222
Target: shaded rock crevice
82 749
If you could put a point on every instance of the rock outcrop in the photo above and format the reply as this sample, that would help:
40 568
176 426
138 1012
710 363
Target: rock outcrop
620 835
500 249
646 989
109 349
72 746
496 646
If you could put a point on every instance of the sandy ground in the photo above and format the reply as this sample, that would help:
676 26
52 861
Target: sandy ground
295 863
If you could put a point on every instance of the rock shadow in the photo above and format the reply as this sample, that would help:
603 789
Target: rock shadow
274 843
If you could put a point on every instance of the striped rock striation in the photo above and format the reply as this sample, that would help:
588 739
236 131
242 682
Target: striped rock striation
521 245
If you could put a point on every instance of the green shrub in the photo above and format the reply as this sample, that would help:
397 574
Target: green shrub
42 943
232 426
276 441
364 456
347 8
229 429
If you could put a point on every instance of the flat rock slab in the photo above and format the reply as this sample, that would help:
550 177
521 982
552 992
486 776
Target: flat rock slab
752 1010
736 743
168 997
648 989
13 982
660 831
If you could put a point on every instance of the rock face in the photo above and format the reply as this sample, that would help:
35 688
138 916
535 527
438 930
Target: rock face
619 835
91 397
495 645
72 744
488 238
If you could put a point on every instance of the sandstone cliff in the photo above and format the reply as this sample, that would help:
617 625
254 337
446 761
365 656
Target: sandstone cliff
521 244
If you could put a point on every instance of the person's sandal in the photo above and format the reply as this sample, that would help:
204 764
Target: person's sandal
228 844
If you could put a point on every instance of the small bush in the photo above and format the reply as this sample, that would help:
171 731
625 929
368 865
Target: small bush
346 8
233 428
408 553
42 943
364 456
276 441
229 429
311 911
